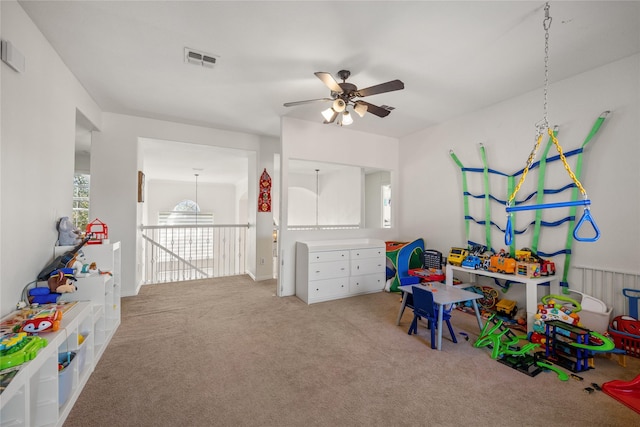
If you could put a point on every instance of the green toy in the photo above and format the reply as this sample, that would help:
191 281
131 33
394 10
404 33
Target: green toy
562 376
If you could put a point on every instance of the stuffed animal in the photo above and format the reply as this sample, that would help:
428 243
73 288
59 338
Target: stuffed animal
80 266
61 281
68 234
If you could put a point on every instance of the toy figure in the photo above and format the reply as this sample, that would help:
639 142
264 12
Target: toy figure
80 266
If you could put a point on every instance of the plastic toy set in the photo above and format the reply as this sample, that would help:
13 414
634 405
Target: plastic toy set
19 348
525 263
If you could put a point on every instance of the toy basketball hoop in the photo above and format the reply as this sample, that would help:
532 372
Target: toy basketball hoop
98 231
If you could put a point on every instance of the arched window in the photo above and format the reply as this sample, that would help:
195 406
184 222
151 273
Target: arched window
187 212
187 206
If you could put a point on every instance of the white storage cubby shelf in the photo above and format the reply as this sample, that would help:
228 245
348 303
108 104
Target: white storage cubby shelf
531 286
332 269
39 395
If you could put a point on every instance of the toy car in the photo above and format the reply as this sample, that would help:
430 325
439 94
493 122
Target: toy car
507 307
457 255
472 261
502 264
547 267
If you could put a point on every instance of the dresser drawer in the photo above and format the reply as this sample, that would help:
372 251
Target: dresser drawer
368 253
325 256
325 268
366 283
367 266
328 270
321 290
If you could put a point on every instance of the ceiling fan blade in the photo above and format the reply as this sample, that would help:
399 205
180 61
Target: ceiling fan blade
381 88
375 110
309 101
328 80
333 118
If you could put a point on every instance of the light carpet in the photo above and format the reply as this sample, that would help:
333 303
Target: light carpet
228 352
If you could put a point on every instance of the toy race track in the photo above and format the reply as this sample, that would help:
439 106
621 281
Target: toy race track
627 392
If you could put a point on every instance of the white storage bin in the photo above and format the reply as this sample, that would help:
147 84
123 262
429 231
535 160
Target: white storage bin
65 376
81 352
595 314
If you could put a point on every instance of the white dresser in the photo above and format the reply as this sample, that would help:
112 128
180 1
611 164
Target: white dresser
332 269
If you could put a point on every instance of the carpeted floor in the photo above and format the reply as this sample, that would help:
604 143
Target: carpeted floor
228 352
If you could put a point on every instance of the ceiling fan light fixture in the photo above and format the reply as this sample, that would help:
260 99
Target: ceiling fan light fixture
328 114
345 94
361 109
346 119
339 105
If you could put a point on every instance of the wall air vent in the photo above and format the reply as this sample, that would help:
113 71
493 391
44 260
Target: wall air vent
199 58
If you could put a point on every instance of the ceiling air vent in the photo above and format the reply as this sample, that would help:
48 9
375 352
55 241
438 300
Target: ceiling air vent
199 58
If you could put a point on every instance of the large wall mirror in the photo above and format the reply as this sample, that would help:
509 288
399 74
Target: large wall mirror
329 195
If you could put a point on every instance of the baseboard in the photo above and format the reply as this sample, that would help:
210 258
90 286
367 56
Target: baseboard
261 278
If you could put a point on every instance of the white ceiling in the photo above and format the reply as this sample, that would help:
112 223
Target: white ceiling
454 57
177 161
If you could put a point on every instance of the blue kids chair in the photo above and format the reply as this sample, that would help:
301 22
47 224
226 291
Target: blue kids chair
423 306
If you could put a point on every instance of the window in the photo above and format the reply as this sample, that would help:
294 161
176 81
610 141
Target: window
187 212
386 206
81 200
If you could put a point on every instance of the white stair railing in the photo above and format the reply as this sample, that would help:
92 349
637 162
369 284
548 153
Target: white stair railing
174 253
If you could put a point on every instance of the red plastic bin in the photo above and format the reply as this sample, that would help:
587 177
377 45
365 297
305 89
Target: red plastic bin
628 342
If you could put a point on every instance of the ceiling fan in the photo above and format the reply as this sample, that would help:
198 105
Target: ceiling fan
344 95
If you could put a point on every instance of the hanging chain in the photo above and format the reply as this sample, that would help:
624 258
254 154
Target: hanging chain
525 171
575 179
546 24
543 125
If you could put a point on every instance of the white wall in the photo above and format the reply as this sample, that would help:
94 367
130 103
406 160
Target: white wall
338 199
82 163
37 152
114 165
431 186
264 220
373 197
315 141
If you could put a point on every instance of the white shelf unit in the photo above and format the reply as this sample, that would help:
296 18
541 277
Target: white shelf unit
531 283
332 269
103 291
32 397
